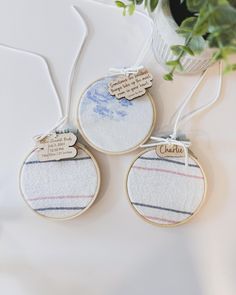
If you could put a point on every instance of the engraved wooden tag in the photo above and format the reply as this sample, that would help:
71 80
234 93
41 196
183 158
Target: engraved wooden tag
131 86
57 147
173 150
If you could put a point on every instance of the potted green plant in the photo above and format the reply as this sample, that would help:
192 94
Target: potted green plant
189 35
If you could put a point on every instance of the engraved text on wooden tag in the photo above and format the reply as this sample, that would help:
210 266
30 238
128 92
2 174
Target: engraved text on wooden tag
131 86
167 150
57 146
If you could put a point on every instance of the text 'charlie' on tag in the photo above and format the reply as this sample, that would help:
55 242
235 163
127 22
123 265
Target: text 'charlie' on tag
167 150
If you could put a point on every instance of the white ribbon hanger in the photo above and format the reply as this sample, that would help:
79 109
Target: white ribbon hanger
125 71
138 65
173 139
64 114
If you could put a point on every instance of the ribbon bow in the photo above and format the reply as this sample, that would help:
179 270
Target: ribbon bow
126 71
170 141
62 121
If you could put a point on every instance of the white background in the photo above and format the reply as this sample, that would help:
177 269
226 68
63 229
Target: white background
109 250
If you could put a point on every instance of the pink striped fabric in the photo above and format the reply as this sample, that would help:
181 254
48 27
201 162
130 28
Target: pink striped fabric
169 171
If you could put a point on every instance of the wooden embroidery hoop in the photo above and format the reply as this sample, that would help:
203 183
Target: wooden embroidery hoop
61 111
136 65
79 146
174 224
153 125
191 155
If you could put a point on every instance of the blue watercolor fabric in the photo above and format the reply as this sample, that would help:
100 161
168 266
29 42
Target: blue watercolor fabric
105 105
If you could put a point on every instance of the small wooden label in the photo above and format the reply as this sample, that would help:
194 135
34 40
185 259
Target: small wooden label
57 147
131 86
166 150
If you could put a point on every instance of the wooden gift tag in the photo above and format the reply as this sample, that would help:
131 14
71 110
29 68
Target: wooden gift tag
173 150
131 86
57 147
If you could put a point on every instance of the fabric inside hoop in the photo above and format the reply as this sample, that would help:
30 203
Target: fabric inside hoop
164 190
60 189
112 125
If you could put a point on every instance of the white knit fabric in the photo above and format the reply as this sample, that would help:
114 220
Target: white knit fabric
112 125
164 190
60 189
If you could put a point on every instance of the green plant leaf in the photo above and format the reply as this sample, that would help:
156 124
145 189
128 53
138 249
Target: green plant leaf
223 53
168 77
212 20
217 55
131 8
195 5
120 4
177 49
172 63
201 26
175 64
230 68
187 25
188 50
197 44
222 15
153 4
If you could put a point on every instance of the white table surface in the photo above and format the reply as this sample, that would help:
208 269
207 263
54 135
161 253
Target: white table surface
109 250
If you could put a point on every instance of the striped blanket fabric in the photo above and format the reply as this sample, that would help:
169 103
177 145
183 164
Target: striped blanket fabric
165 191
60 189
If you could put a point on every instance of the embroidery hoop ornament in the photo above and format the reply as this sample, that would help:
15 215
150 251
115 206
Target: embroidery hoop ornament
189 158
64 123
108 136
